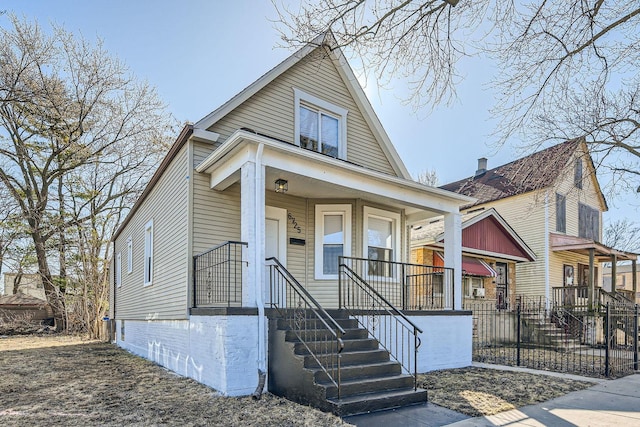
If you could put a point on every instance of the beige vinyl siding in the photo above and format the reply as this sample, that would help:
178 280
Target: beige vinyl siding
526 215
271 111
216 214
167 206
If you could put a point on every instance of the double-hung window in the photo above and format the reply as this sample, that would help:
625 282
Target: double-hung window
381 240
332 238
118 269
319 125
130 254
148 253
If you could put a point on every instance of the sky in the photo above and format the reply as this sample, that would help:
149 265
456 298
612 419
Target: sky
200 53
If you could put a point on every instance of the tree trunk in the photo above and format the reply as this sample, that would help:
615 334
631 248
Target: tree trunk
50 290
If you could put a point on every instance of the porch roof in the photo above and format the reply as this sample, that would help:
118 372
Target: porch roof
582 246
314 175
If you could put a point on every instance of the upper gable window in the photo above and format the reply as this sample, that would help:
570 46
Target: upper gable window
577 173
320 126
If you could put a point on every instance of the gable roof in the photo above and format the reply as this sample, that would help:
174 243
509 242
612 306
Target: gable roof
349 79
432 233
533 172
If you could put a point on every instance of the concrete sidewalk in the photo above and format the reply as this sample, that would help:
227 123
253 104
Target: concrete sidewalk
608 403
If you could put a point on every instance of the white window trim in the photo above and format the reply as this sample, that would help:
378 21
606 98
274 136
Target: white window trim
118 268
148 253
321 211
386 215
301 97
130 255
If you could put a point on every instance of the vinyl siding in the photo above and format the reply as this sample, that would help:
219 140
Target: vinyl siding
271 111
167 206
216 214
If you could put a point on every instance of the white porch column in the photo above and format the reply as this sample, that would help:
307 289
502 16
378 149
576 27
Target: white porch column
252 227
453 256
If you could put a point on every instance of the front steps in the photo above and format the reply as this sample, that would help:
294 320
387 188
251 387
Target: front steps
370 381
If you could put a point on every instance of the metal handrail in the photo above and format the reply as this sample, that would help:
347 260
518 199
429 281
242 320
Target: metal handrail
381 304
217 275
301 325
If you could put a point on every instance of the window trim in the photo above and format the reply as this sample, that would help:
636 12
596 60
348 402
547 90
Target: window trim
394 217
307 100
130 255
320 212
148 254
118 269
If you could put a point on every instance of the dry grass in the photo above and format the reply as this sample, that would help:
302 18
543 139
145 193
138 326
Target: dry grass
64 381
477 392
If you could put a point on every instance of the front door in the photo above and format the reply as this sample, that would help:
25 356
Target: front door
275 246
501 286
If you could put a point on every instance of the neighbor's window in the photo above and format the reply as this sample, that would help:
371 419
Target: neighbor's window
130 254
588 222
577 174
118 270
148 253
332 238
381 240
561 213
320 126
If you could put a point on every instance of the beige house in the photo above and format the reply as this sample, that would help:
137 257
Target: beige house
25 284
283 205
553 201
625 283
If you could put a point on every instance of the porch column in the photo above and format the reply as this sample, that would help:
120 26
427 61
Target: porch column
614 271
453 257
252 227
591 282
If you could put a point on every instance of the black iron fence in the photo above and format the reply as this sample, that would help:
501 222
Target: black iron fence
217 276
387 324
534 334
406 286
316 330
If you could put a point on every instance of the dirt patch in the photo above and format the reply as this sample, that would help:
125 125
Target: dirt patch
477 391
73 383
59 380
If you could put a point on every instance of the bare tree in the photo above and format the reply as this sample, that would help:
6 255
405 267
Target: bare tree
428 177
567 68
623 235
65 104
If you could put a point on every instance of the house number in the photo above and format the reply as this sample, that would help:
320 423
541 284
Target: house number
293 221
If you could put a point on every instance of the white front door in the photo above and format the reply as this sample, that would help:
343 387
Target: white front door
275 245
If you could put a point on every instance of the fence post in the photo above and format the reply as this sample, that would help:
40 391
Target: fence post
635 339
195 262
607 339
518 335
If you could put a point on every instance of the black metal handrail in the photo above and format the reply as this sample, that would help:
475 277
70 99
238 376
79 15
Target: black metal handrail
392 328
317 330
217 276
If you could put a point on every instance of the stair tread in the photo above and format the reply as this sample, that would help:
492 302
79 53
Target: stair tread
367 379
377 395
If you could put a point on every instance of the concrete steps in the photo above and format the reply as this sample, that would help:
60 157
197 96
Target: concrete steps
369 379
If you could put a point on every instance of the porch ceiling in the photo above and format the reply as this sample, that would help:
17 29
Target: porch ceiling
582 246
316 176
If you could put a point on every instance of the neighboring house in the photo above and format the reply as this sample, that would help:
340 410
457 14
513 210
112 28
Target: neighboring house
553 200
24 308
229 266
625 283
25 284
490 251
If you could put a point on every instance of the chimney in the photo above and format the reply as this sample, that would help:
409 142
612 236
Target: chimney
482 166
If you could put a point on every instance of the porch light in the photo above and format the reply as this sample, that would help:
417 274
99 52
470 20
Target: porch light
282 185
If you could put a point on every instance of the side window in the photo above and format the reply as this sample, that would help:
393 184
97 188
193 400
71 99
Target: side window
319 125
381 240
148 253
561 213
332 238
130 254
118 269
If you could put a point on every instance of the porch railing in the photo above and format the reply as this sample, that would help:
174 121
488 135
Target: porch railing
577 298
317 330
394 331
217 276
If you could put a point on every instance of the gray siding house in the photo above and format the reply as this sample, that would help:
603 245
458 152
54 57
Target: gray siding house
281 221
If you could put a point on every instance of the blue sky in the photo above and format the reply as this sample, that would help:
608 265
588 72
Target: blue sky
199 53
